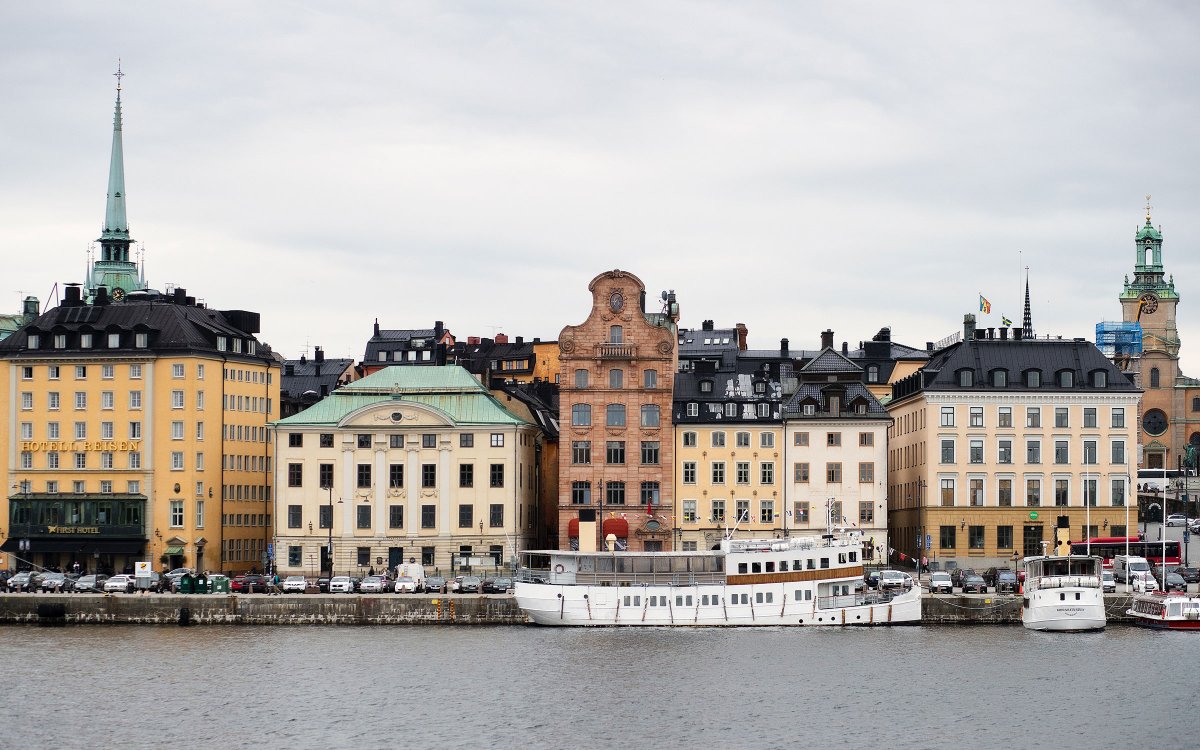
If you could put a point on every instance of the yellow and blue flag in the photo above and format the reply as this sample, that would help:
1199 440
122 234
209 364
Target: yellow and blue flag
1005 321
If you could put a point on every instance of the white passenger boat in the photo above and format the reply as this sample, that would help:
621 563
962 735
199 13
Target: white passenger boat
1063 593
1166 610
756 582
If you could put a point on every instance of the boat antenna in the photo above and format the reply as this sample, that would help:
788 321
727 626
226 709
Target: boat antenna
743 515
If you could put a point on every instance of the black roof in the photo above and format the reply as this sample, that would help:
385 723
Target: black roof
392 340
542 399
305 375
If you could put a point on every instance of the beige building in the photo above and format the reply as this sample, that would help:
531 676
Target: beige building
408 463
998 441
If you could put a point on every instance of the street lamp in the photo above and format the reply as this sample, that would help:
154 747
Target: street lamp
330 548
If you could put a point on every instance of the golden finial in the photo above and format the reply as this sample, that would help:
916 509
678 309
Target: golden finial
1147 208
121 75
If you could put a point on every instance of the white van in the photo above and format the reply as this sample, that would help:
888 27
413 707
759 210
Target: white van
1125 565
413 570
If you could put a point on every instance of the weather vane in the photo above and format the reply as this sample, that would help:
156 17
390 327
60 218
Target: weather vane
1147 208
121 75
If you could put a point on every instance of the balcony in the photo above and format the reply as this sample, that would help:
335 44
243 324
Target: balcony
616 351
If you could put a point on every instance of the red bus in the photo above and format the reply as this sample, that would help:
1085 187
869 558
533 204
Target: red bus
1109 547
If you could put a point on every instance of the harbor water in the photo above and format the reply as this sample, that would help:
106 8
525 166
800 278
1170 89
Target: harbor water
529 687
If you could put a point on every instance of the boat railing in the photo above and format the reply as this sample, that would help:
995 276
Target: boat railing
859 599
1058 582
774 545
533 575
606 578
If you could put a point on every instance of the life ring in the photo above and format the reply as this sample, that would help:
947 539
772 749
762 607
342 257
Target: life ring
559 568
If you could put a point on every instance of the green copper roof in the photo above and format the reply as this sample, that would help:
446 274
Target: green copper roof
1148 231
449 389
116 226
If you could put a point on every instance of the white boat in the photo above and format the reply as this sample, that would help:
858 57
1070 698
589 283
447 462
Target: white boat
1166 611
746 582
1063 593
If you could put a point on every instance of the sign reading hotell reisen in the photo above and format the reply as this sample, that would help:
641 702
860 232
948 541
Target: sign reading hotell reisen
75 446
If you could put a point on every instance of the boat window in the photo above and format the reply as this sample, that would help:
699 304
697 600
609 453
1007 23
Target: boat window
1062 597
756 567
770 566
680 564
758 597
742 567
588 564
661 564
642 564
824 562
678 601
637 601
689 601
770 597
1076 596
603 564
841 558
853 557
783 565
812 564
798 594
808 595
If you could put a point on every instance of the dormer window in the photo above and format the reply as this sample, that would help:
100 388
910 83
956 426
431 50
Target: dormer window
693 409
760 387
706 386
873 374
860 408
250 346
1099 379
383 356
222 343
141 340
966 378
418 343
1033 378
237 345
60 341
999 378
835 405
764 410
114 341
810 410
34 341
85 341
731 410
1066 379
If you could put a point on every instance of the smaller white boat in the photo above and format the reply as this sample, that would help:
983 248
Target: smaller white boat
1063 593
1166 610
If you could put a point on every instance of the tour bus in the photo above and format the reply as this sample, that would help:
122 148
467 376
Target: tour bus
1156 479
1108 547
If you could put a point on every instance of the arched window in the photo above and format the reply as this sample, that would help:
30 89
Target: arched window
1066 379
999 378
1099 379
1033 378
581 415
966 378
650 415
1196 404
873 374
1154 377
615 415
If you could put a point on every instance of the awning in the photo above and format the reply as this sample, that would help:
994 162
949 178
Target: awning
618 527
573 528
85 546
174 550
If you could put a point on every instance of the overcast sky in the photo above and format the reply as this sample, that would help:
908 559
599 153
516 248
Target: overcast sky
792 166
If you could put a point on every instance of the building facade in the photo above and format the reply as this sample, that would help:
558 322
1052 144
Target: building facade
408 463
998 441
617 456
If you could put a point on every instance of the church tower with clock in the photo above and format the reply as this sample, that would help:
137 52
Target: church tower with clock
1167 420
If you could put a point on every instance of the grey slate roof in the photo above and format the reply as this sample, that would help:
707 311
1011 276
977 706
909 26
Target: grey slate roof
830 361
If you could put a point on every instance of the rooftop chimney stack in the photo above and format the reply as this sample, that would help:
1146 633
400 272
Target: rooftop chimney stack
742 332
783 348
707 325
319 354
827 338
969 327
377 326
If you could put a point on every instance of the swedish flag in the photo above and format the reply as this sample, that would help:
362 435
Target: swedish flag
1005 321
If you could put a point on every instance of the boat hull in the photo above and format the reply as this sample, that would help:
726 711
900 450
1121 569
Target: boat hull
1045 611
768 605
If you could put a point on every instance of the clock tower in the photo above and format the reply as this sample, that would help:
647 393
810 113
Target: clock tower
1151 300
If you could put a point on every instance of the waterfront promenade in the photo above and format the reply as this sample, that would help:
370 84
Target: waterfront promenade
393 609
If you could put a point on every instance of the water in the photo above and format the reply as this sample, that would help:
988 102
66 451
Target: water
527 687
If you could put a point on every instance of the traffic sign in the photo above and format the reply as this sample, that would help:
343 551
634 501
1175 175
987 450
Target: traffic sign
929 541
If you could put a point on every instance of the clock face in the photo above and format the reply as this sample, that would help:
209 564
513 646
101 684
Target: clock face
1149 302
118 294
616 301
1155 422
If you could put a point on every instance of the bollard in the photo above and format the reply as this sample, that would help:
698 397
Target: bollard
185 617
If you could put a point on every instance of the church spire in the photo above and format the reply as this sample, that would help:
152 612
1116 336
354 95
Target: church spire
116 226
1027 323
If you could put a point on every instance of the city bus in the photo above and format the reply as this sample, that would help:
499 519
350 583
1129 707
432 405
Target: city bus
1108 547
1157 479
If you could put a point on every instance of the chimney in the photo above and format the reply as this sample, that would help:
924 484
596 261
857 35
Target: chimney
324 389
1004 334
707 325
71 296
377 326
319 354
783 348
289 370
189 301
520 339
472 341
928 346
439 328
827 338
885 334
303 359
501 338
991 333
317 367
742 332
31 309
845 349
1018 334
180 297
101 297
969 327
537 340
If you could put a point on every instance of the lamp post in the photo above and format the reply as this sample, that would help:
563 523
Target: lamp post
922 548
330 548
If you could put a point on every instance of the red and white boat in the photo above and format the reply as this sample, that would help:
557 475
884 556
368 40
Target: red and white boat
1166 610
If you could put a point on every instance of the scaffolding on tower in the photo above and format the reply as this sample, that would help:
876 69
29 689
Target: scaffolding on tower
1120 341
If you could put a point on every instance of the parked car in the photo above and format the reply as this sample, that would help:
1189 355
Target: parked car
1006 582
958 574
497 585
323 585
173 577
119 582
1143 582
1194 525
940 583
341 585
871 578
55 582
1169 580
23 581
894 579
455 584
1191 575
973 583
1177 519
1108 581
435 585
294 584
406 585
375 585
470 585
91 583
991 576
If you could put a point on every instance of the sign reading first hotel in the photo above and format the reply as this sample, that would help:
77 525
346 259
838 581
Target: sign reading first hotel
76 446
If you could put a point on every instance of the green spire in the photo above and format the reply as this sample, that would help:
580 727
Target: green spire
116 226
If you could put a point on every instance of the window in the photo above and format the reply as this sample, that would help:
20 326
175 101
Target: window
428 516
395 516
650 379
866 439
1062 493
325 476
873 374
324 516
742 439
135 399
135 459
1033 417
581 415
1118 451
718 439
693 409
295 516
1118 492
833 439
766 472
1004 537
999 378
800 472
466 475
80 400
650 452
52 400
1061 417
689 472
581 493
866 472
866 514
81 372
616 335
742 472
176 399
364 475
1089 452
364 553
800 512
497 439
428 440
689 511
976 449
1004 417
364 516
135 372
706 386
743 511
946 536
833 473
1033 492
976 492
976 416
326 440
581 378
1090 493
1061 453
1033 378
428 475
966 378
176 514
718 472
614 452
766 511
975 537
1033 451
81 430
364 441
650 415
295 475
614 493
177 430
1154 377
1004 493
1004 453
766 440
650 493
947 492
52 431
1118 418
718 511
947 450
141 340
466 516
26 373
800 439
1066 379
581 451
177 461
616 378
177 371
496 515
496 477
1089 417
689 440
614 415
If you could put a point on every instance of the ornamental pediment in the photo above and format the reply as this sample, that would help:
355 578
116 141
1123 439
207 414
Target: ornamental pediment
396 413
